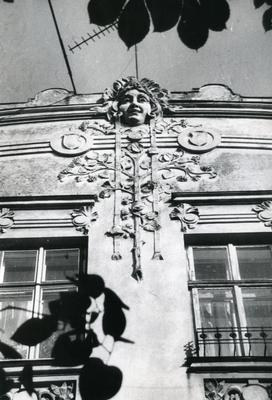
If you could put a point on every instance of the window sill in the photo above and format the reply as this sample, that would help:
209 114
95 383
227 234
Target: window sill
228 364
40 367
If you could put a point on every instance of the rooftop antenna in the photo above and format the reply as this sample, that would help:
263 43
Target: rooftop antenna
98 33
62 46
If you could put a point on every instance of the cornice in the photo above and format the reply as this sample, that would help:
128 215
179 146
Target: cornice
209 198
190 108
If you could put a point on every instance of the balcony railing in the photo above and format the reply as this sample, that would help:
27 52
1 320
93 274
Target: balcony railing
233 342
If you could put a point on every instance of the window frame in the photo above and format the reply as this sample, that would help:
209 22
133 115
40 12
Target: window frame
39 286
235 283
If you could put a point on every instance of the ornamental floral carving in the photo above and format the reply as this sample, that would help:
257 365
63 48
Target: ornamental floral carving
6 219
136 172
63 392
83 218
216 389
187 215
264 212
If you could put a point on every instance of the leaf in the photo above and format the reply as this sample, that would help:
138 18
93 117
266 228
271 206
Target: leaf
35 330
91 284
133 23
71 308
258 3
192 28
5 384
164 14
9 352
267 19
216 12
98 381
69 352
104 12
26 379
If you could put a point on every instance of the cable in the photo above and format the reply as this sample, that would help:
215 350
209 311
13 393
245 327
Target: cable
62 47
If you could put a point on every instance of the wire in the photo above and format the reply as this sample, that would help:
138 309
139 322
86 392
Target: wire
136 61
62 47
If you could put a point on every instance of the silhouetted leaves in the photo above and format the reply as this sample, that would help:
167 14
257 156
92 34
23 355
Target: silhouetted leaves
9 352
71 308
73 348
258 3
267 19
91 284
5 384
193 28
104 12
164 14
69 351
98 381
26 379
114 319
216 13
35 330
133 23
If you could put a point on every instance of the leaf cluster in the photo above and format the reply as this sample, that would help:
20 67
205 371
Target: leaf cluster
193 18
75 337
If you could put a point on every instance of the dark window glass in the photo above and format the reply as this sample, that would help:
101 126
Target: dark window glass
61 263
211 263
258 306
255 262
19 265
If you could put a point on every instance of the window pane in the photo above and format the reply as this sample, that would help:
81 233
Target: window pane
216 311
211 263
216 308
47 345
255 262
258 306
258 310
19 265
11 319
61 263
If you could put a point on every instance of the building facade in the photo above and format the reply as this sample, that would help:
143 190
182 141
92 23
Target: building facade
136 245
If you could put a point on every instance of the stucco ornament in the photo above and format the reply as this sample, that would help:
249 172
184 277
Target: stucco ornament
134 170
113 98
187 215
226 390
6 219
264 212
198 140
83 218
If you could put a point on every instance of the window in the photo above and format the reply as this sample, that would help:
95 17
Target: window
30 277
232 293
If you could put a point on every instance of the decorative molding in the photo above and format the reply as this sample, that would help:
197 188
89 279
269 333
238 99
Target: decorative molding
264 212
187 215
198 141
250 389
226 198
45 390
83 218
139 177
6 219
71 144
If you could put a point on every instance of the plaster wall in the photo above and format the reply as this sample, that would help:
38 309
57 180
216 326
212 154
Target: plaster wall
160 319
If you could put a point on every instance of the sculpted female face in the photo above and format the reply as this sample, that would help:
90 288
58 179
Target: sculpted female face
134 107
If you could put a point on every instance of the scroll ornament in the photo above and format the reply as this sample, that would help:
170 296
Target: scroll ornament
264 212
187 215
6 219
82 219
